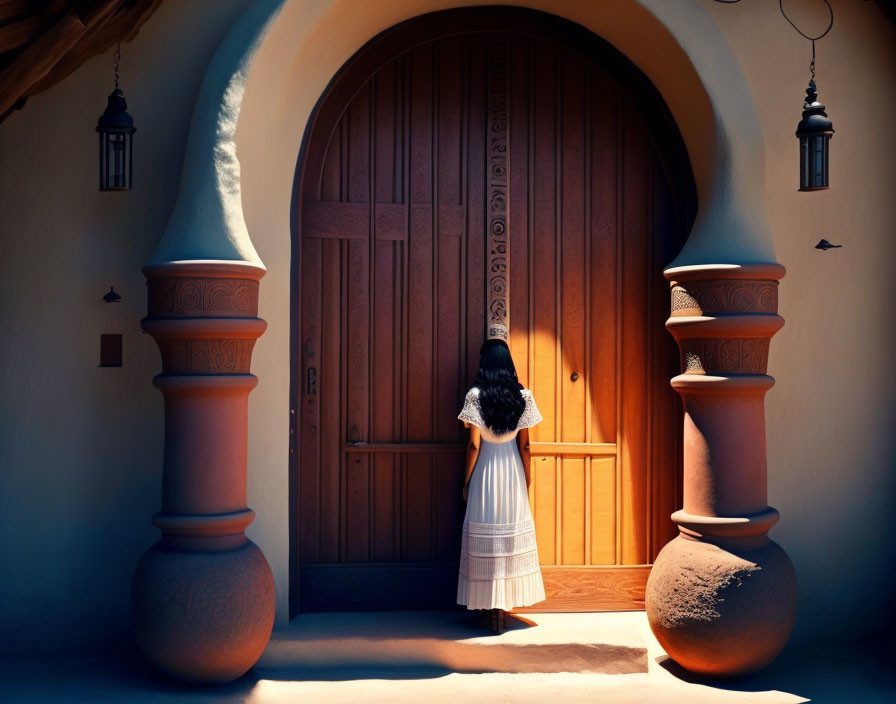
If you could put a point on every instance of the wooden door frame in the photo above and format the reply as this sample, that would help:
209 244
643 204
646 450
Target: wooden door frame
386 47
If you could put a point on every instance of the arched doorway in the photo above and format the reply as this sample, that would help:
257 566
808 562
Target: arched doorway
391 269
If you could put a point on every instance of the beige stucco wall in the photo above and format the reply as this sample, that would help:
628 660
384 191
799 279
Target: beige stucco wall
80 447
832 414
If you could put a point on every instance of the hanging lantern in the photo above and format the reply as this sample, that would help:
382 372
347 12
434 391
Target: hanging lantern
814 132
116 131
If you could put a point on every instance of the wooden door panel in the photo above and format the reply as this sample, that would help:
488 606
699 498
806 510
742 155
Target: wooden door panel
543 496
592 588
393 296
665 408
573 526
587 303
331 427
387 133
393 365
520 211
602 523
309 538
352 220
573 305
604 286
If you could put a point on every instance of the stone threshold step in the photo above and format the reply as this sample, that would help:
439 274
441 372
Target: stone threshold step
607 643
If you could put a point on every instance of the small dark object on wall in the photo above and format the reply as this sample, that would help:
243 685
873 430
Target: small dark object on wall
111 296
823 245
110 350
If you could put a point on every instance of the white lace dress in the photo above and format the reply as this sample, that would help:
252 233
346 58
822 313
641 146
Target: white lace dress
499 558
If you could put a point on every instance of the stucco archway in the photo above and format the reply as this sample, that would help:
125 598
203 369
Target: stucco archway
258 93
269 72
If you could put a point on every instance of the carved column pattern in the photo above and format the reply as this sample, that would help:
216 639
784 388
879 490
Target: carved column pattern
721 597
498 284
203 596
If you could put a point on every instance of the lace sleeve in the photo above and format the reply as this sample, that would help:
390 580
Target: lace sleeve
470 412
530 416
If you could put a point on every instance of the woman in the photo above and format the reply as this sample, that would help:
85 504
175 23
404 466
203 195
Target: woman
499 559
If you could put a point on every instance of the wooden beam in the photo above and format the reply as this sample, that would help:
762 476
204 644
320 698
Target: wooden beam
18 34
122 26
52 46
39 58
888 8
14 9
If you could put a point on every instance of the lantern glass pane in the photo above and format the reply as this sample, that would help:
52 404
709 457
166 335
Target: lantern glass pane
804 163
818 162
827 151
115 161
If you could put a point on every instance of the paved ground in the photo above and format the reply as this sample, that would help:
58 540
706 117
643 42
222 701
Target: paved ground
809 674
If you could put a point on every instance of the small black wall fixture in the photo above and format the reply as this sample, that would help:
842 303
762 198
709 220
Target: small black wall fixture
111 296
116 131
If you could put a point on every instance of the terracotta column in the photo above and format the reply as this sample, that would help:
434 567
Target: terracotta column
203 596
721 597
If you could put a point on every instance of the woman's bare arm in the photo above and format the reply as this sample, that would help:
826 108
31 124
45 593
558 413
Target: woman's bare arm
472 455
522 441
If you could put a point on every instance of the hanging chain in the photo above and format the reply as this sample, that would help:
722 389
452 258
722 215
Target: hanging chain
116 58
811 39
812 63
792 24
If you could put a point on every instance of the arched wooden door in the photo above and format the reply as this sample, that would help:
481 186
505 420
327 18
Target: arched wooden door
391 267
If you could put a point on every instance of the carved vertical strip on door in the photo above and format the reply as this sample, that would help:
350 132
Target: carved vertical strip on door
498 241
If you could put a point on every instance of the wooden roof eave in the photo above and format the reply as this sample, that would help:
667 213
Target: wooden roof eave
76 32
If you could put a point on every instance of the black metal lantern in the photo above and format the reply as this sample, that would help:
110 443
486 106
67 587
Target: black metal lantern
814 132
116 131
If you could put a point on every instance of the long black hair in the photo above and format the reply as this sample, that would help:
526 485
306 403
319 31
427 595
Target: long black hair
500 399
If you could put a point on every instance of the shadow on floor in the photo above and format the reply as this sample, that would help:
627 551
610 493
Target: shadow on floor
126 675
826 674
380 625
347 673
823 674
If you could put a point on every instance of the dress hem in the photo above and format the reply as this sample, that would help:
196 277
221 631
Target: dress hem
505 594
